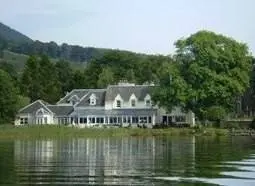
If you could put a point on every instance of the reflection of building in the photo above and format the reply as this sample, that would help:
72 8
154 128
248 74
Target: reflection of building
102 161
34 159
123 104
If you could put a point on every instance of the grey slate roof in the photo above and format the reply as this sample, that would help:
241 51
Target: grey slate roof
100 98
62 110
78 92
33 107
117 112
125 92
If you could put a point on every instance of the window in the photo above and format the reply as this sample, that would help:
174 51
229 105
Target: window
133 103
83 120
92 101
143 120
93 120
134 119
148 102
100 120
118 103
149 119
23 120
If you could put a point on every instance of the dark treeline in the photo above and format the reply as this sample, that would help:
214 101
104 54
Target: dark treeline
43 79
206 75
66 52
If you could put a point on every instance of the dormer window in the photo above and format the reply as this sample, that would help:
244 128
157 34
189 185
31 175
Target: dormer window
133 103
92 99
132 100
118 104
148 102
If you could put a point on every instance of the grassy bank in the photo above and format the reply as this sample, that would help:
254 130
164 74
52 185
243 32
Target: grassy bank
11 132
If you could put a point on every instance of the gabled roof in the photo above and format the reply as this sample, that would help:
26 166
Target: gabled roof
33 107
61 110
140 91
100 98
78 92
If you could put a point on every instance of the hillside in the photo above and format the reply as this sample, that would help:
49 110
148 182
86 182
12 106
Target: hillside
18 60
17 42
12 36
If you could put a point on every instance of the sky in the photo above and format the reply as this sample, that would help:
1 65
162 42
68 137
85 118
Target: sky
146 26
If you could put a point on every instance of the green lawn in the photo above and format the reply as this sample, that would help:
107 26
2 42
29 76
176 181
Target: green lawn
46 131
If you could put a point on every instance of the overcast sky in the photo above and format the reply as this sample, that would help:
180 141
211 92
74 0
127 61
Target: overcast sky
148 26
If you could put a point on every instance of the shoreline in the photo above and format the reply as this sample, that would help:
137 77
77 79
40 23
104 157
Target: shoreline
47 131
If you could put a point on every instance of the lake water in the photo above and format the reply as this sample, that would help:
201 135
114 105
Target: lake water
129 161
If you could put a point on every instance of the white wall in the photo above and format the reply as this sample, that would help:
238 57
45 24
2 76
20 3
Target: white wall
32 118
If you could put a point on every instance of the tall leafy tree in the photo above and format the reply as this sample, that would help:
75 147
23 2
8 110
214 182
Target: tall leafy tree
172 90
215 68
8 98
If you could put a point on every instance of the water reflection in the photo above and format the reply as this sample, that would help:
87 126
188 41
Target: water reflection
144 161
100 161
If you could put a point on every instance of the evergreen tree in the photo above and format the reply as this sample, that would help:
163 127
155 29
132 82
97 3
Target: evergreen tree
8 98
30 80
48 80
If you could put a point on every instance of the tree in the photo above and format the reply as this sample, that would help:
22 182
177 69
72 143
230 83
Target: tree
8 98
64 75
216 68
22 101
39 80
10 69
48 80
105 78
79 80
172 90
30 80
216 114
130 76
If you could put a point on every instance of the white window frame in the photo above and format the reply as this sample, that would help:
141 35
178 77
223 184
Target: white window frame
23 120
92 101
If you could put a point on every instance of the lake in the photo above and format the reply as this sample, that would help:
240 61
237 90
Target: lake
129 161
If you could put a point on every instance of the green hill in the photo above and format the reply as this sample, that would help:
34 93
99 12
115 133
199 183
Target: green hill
12 36
18 60
18 43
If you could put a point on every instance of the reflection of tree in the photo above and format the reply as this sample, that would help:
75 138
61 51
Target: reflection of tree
212 152
7 167
177 157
